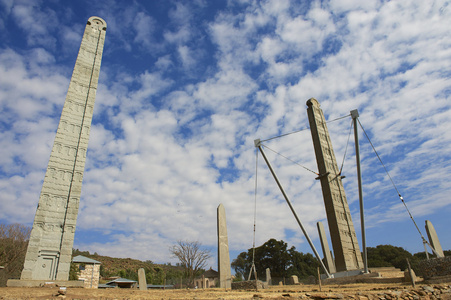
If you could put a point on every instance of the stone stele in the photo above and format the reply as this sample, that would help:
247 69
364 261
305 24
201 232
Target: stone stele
49 250
433 239
225 274
142 280
329 261
344 240
268 276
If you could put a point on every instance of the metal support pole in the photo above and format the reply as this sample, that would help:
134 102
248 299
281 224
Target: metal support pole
355 115
425 249
258 145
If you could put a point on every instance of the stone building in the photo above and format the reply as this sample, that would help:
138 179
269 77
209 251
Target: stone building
89 271
209 279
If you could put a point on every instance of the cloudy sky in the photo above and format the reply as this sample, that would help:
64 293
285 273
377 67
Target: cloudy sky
187 86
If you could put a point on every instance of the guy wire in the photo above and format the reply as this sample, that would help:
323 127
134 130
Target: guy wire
285 134
393 183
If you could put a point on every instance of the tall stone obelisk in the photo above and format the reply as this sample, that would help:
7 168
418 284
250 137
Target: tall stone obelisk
225 274
52 236
344 240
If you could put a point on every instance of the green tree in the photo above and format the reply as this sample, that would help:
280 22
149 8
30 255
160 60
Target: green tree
242 264
281 261
273 255
122 274
388 256
73 271
159 275
302 265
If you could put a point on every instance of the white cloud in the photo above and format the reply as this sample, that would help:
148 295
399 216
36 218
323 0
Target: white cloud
186 56
166 149
36 24
144 26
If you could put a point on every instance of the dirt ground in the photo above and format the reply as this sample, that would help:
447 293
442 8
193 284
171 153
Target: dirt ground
349 291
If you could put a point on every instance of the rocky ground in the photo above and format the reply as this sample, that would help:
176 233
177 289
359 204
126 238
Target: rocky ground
349 291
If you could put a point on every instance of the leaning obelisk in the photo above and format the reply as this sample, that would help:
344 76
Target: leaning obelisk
52 236
344 240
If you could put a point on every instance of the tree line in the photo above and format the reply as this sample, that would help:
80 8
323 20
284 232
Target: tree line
285 262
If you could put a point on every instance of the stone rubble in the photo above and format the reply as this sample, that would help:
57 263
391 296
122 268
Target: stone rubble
427 292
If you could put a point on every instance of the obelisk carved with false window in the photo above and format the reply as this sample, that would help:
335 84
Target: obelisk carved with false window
52 236
344 240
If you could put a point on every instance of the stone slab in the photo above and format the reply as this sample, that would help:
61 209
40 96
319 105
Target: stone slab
225 273
268 276
142 279
330 264
433 239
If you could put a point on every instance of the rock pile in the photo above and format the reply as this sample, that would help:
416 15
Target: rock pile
435 267
419 293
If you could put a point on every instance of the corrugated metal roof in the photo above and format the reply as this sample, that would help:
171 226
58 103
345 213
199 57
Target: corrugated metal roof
122 280
83 259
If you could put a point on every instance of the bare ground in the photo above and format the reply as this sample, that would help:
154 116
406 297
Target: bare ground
349 291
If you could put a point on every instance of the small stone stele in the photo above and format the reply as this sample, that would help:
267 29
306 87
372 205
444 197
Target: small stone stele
142 279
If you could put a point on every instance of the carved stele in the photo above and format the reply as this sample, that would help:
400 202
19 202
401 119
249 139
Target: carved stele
344 240
225 274
52 236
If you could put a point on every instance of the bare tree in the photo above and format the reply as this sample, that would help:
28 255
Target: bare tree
13 246
192 258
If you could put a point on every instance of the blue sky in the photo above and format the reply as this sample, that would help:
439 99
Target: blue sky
187 86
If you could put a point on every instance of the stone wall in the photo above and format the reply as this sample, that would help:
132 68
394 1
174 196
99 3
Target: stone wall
90 274
435 267
249 285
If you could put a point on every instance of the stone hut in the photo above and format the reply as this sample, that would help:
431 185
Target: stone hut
209 279
89 271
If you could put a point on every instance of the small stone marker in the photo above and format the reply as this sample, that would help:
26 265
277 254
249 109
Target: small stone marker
294 279
142 280
268 276
433 239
